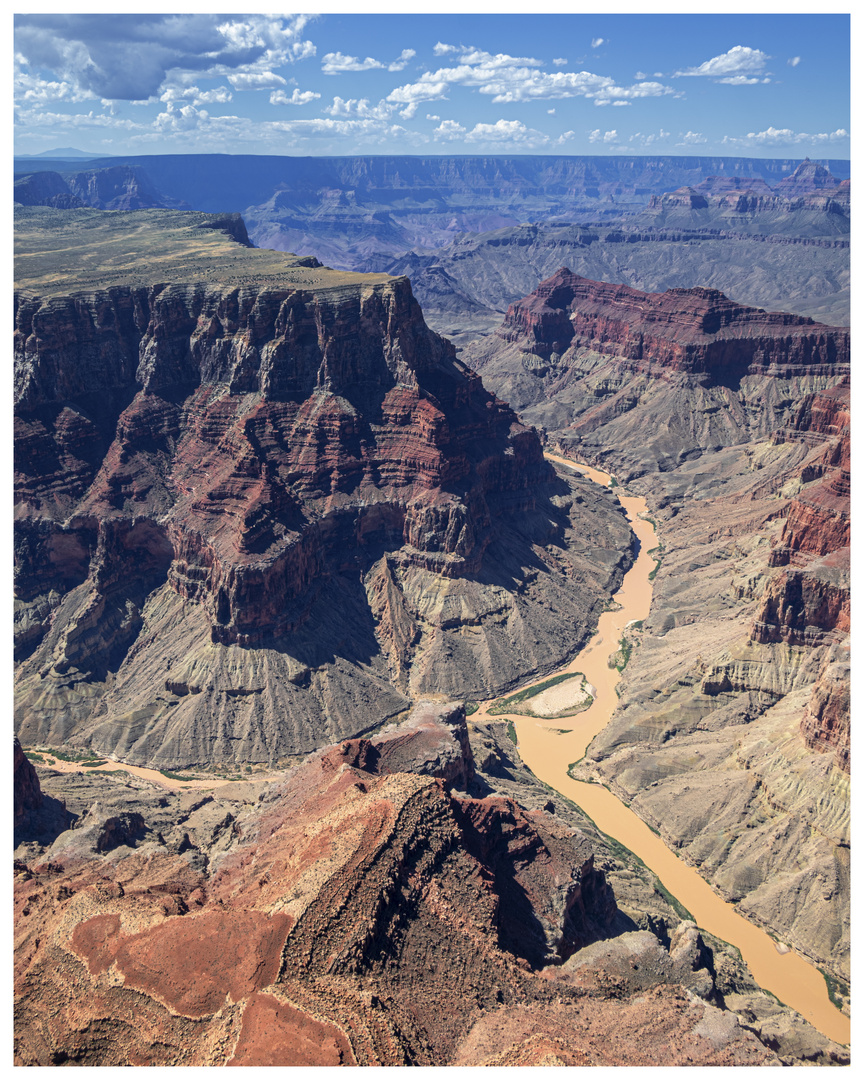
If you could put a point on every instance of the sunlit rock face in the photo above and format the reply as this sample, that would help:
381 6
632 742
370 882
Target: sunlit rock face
253 520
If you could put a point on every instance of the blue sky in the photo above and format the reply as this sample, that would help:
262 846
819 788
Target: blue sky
774 85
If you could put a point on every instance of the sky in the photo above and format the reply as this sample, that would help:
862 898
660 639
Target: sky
755 85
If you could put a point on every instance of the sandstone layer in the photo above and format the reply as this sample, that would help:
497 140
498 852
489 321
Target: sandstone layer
365 909
731 738
254 518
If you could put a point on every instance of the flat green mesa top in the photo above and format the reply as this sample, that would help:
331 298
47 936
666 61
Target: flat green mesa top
63 252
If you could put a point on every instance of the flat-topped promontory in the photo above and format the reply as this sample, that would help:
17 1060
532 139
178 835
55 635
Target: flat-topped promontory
64 252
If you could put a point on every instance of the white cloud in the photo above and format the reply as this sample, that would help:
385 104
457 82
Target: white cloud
133 57
440 49
414 93
448 130
432 116
692 138
256 80
551 112
740 80
334 63
649 140
597 42
360 107
193 96
602 136
298 97
739 60
794 61
402 61
772 136
560 61
501 134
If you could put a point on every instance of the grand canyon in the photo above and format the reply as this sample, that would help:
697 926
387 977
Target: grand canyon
439 656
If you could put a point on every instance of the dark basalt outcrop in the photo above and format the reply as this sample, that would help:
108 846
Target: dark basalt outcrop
350 914
252 518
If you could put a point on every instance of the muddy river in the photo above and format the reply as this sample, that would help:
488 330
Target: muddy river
548 751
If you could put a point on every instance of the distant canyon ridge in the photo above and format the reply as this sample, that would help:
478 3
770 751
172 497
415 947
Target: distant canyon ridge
477 233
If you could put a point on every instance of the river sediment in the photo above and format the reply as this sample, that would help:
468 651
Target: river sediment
550 746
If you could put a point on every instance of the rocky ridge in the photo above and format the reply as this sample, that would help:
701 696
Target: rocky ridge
734 701
364 908
252 518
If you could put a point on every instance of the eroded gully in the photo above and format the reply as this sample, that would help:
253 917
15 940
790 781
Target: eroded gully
548 752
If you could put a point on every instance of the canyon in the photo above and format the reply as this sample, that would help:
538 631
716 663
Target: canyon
731 736
263 510
255 518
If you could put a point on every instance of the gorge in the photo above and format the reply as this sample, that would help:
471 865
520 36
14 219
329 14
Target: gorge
263 510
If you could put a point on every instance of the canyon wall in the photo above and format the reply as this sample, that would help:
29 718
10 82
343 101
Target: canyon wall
388 902
250 519
732 733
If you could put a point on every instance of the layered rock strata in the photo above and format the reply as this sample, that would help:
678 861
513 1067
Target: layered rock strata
359 910
252 520
731 737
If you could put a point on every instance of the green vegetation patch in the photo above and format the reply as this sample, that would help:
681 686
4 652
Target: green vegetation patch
471 707
511 732
31 756
76 757
177 776
95 763
621 658
838 991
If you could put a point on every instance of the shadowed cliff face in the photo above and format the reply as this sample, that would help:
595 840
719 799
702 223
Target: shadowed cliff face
734 425
308 475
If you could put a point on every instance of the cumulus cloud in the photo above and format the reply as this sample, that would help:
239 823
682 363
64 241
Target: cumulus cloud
402 61
772 136
794 61
502 134
597 42
642 140
739 60
256 80
440 49
131 57
359 107
193 96
739 80
335 62
691 138
510 79
560 61
598 136
298 97
414 93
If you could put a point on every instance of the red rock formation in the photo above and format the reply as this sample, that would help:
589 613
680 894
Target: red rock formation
807 178
241 451
358 917
698 331
825 725
804 607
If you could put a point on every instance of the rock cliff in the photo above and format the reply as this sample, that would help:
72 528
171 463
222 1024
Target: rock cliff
361 909
733 702
253 518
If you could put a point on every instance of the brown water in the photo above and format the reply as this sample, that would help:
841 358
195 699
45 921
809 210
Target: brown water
548 753
136 770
